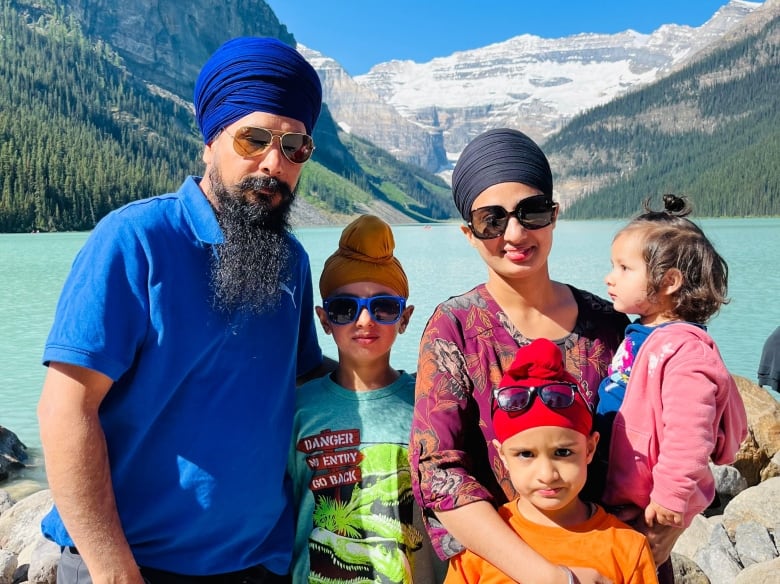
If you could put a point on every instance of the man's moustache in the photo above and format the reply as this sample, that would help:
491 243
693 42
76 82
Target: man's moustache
265 184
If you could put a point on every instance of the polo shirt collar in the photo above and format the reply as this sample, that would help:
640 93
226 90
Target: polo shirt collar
200 213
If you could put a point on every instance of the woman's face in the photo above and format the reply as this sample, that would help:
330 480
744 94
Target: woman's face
519 252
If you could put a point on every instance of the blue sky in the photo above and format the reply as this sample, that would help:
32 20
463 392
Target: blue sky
362 33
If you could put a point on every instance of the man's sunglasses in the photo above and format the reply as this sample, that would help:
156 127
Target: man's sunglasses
555 395
250 141
347 309
532 213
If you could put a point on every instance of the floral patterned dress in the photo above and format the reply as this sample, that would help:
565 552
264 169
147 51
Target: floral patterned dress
465 347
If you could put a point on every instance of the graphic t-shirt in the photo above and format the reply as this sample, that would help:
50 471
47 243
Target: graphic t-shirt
356 517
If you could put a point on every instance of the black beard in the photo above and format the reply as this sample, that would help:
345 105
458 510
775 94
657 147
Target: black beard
248 268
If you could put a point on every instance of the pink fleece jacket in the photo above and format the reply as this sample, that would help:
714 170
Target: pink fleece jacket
681 409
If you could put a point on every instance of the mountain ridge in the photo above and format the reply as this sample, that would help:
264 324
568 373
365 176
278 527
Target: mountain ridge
111 111
526 82
122 136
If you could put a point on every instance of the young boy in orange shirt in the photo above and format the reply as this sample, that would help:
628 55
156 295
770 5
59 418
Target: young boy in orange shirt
545 437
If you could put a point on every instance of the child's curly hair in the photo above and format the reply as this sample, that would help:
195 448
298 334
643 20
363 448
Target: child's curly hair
671 241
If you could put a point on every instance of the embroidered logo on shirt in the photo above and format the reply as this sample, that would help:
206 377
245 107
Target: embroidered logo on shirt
284 288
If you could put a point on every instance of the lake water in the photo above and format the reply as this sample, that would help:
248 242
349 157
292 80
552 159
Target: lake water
439 263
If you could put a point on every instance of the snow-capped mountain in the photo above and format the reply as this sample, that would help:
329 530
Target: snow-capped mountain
426 113
359 110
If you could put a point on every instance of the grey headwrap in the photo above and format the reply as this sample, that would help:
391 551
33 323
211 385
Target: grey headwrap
498 156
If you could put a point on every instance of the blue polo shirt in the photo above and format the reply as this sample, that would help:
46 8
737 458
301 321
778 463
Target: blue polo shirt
198 421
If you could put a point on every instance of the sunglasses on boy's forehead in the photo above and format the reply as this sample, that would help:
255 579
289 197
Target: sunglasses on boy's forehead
249 141
532 213
346 309
555 395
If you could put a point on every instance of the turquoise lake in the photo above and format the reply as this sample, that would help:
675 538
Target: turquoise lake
439 263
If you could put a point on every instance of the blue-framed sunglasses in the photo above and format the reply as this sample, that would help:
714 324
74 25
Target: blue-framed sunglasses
384 309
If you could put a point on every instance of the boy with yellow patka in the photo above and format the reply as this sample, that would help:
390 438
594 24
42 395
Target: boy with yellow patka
349 458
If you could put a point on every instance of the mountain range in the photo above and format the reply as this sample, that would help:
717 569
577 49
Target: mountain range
425 113
115 79
629 115
618 115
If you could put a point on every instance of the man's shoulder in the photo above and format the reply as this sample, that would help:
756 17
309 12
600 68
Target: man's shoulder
185 212
143 212
127 227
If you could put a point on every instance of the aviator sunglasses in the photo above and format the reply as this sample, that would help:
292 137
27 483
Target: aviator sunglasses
347 309
250 141
555 395
532 213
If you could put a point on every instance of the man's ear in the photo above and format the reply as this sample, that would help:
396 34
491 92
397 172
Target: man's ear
324 322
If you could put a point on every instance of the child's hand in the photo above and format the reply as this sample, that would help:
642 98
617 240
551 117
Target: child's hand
662 539
662 528
655 513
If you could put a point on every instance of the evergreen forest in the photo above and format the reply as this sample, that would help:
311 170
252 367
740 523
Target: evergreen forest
77 136
710 131
80 136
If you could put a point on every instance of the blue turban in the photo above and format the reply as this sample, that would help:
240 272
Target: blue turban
255 74
498 156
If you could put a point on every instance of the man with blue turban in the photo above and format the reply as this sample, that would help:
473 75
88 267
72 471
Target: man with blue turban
167 407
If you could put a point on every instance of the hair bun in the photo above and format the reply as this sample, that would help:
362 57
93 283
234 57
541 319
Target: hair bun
675 205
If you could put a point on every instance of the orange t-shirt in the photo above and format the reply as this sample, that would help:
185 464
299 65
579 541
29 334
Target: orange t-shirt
603 542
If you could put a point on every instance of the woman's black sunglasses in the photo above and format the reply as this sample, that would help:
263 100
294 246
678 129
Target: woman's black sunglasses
555 395
532 213
382 309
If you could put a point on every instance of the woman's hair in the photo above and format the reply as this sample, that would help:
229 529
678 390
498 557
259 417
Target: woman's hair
671 241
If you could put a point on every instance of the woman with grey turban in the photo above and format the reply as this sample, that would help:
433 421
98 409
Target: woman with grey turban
503 187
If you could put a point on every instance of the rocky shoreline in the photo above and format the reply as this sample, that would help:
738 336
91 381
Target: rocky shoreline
736 543
13 454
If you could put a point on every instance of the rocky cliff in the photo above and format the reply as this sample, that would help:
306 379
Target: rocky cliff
166 43
359 110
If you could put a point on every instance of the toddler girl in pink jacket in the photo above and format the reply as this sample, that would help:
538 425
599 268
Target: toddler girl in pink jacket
669 405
